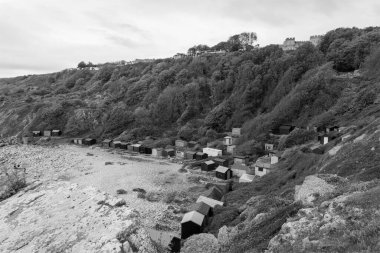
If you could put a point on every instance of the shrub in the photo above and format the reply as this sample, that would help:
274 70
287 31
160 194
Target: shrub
152 196
141 195
15 180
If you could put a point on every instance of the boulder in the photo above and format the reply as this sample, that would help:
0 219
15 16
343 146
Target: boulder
201 243
312 188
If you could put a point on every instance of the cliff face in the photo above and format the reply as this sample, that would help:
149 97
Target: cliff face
64 217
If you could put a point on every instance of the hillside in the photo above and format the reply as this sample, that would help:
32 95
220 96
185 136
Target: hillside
311 202
198 97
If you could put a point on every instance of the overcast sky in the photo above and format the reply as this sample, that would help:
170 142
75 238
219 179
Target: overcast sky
40 36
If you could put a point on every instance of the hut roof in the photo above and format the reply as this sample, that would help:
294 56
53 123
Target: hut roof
209 162
136 145
222 169
201 208
214 193
211 202
219 160
246 178
190 152
56 131
107 140
193 216
117 142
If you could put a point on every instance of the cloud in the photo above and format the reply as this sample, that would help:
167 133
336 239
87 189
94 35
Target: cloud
53 34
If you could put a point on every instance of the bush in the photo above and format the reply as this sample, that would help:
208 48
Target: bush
152 196
170 197
298 137
15 180
121 191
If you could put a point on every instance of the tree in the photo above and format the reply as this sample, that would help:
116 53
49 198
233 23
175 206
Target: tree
82 65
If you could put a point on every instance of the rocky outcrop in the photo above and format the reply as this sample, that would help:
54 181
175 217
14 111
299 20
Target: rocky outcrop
312 188
65 217
201 243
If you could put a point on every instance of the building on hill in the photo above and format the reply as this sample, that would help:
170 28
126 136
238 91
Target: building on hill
192 223
316 39
264 164
224 173
179 56
208 166
106 143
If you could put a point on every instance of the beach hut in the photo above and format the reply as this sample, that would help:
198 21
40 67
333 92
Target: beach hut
192 144
180 154
130 147
170 152
208 201
236 132
224 173
192 223
106 143
229 140
264 164
231 149
208 166
147 150
223 186
47 133
324 139
26 140
89 141
158 152
200 156
170 242
246 178
56 133
241 159
213 193
221 162
36 133
116 144
124 145
212 152
136 147
190 155
80 141
202 208
269 147
285 129
180 143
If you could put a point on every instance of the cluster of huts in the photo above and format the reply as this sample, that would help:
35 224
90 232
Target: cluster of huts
194 221
44 133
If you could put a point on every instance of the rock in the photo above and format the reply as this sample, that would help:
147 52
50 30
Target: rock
44 219
201 243
312 188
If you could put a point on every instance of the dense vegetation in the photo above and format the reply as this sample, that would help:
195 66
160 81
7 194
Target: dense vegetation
196 98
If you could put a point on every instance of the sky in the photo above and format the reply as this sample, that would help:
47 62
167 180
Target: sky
43 36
